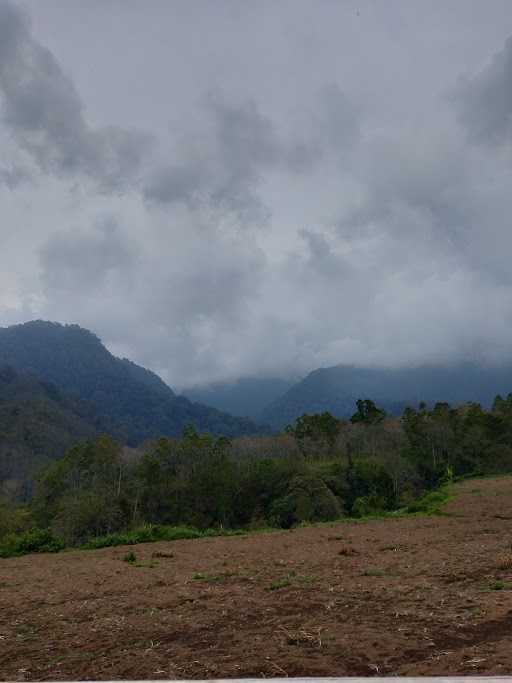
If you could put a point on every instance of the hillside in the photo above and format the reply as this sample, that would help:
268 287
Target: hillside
38 423
245 397
409 596
336 389
135 399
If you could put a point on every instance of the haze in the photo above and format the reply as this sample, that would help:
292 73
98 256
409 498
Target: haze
226 189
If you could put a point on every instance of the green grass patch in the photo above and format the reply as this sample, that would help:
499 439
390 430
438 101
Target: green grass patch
374 571
280 583
150 533
291 579
209 578
500 585
431 503
213 578
144 534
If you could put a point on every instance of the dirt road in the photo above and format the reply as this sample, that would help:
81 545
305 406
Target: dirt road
411 596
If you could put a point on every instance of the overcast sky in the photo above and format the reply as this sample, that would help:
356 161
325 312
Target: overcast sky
226 188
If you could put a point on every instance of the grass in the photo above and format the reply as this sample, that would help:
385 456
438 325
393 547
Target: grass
150 533
280 583
292 578
130 557
212 578
431 503
374 571
500 585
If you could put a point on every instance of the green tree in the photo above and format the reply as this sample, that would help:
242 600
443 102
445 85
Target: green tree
316 432
367 413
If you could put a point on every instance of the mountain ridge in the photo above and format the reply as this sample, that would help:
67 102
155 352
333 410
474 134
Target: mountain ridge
244 397
139 402
336 389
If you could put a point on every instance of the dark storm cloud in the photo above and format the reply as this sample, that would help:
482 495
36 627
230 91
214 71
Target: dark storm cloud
42 109
484 101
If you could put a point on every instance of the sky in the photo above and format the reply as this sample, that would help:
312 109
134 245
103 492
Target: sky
235 188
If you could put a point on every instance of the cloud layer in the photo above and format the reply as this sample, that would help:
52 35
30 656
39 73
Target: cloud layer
258 192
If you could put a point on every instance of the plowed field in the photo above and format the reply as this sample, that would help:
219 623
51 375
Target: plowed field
405 596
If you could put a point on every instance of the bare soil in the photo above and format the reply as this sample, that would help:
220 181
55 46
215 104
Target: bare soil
406 596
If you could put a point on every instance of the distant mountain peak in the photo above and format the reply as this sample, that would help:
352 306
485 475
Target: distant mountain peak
336 389
135 399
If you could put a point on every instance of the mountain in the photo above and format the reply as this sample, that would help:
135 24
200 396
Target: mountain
336 389
245 397
137 402
38 423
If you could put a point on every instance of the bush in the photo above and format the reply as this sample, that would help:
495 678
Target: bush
368 505
86 514
14 519
33 541
308 500
430 503
148 533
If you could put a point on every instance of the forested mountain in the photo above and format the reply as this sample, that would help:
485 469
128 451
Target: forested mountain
337 388
38 423
136 400
245 397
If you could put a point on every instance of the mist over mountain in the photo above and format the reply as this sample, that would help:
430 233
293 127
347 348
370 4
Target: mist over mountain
337 388
245 397
134 399
277 208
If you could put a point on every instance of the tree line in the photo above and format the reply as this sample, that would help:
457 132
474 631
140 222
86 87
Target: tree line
320 468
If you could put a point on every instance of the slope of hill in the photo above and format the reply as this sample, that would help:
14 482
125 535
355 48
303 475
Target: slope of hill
336 389
38 423
245 397
133 398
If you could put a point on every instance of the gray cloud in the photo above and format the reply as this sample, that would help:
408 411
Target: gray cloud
223 170
74 261
42 109
484 101
322 204
13 176
238 145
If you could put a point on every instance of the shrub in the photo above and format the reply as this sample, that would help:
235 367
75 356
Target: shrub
148 533
14 519
33 541
308 500
368 505
430 503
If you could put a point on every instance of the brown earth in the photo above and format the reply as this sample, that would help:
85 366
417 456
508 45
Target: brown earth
408 596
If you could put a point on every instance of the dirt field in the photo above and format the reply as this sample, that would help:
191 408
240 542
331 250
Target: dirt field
410 596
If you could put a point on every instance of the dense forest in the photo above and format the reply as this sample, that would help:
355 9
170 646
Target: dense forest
320 468
38 423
